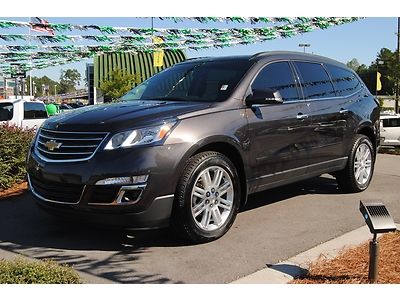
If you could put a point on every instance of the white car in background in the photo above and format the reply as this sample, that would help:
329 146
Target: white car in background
390 129
23 113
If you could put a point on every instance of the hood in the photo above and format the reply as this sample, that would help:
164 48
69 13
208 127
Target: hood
121 116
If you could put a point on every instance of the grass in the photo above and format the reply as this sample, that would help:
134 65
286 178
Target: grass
351 265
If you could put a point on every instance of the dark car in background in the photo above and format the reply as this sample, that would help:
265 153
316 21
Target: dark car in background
186 147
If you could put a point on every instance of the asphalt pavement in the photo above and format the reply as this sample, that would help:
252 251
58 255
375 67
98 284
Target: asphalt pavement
274 226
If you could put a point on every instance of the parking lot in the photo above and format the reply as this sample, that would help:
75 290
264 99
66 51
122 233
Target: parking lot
274 226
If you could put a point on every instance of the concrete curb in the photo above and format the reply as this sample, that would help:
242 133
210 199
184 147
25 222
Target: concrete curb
285 271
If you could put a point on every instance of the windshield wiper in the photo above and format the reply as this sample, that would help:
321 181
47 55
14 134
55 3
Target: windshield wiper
173 99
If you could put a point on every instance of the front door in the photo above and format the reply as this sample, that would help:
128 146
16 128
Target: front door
279 133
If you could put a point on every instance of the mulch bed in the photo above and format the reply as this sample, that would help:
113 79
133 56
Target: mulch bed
351 265
389 150
16 190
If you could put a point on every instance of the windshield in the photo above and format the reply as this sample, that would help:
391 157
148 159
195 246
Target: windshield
209 81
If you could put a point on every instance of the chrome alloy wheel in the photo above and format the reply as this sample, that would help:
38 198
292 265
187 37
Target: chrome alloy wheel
212 198
362 164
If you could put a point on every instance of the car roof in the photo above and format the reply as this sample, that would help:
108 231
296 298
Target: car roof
389 116
270 55
19 100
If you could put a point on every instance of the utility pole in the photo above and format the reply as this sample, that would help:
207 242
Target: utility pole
396 103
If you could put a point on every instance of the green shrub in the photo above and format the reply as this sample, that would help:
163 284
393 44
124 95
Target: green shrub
14 145
47 271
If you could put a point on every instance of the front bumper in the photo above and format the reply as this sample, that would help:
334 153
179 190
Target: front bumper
69 188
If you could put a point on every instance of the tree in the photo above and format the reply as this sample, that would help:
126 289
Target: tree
118 84
69 79
353 64
42 86
387 68
386 64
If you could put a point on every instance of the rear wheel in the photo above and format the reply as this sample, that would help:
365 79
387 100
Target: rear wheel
357 175
207 197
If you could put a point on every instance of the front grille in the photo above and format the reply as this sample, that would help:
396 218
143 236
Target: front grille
64 145
55 191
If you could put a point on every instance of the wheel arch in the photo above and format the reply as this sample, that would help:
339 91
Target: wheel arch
368 130
227 147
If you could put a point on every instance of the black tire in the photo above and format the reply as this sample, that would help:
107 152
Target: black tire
346 178
183 220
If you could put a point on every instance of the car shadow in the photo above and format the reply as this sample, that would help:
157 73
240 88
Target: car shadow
318 185
27 230
23 223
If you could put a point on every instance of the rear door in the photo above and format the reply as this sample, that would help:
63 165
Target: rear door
279 133
34 114
349 91
324 106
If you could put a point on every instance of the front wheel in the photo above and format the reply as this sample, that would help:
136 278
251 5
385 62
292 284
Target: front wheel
357 175
207 197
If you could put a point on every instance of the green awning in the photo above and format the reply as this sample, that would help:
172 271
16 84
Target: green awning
140 63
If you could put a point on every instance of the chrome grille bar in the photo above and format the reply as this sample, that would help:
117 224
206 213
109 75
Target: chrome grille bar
52 145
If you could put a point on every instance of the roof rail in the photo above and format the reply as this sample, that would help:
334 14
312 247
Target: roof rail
193 58
259 54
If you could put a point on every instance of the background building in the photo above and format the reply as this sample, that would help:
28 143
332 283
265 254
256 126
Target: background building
141 64
7 87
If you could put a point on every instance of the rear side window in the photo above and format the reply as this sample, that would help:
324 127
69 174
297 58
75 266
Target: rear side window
314 80
277 77
345 82
6 111
34 110
391 122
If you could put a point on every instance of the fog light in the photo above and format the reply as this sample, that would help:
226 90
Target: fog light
130 196
123 180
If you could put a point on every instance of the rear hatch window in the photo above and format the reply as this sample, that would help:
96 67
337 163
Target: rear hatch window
6 111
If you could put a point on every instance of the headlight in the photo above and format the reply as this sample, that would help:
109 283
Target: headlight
141 136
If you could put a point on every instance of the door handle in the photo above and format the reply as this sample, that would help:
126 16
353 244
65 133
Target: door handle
301 116
343 111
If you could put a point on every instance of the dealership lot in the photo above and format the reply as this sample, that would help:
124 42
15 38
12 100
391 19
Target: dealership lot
274 226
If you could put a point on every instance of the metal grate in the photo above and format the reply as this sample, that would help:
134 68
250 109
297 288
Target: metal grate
68 146
54 191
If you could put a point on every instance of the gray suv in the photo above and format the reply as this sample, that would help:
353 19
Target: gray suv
186 147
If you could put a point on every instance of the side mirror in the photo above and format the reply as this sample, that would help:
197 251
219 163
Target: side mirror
265 96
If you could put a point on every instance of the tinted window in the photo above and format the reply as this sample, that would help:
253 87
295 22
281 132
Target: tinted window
391 122
277 77
6 111
206 81
34 110
345 82
315 80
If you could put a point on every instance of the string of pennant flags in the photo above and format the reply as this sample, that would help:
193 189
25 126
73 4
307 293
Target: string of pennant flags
52 48
62 27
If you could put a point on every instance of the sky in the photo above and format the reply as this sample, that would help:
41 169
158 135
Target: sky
362 39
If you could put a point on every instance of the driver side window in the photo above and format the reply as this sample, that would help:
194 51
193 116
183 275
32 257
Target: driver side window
277 77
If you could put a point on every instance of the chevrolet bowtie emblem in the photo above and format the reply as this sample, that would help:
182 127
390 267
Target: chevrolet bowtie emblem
52 144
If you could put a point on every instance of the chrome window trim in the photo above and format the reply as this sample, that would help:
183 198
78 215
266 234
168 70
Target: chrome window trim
329 75
298 86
